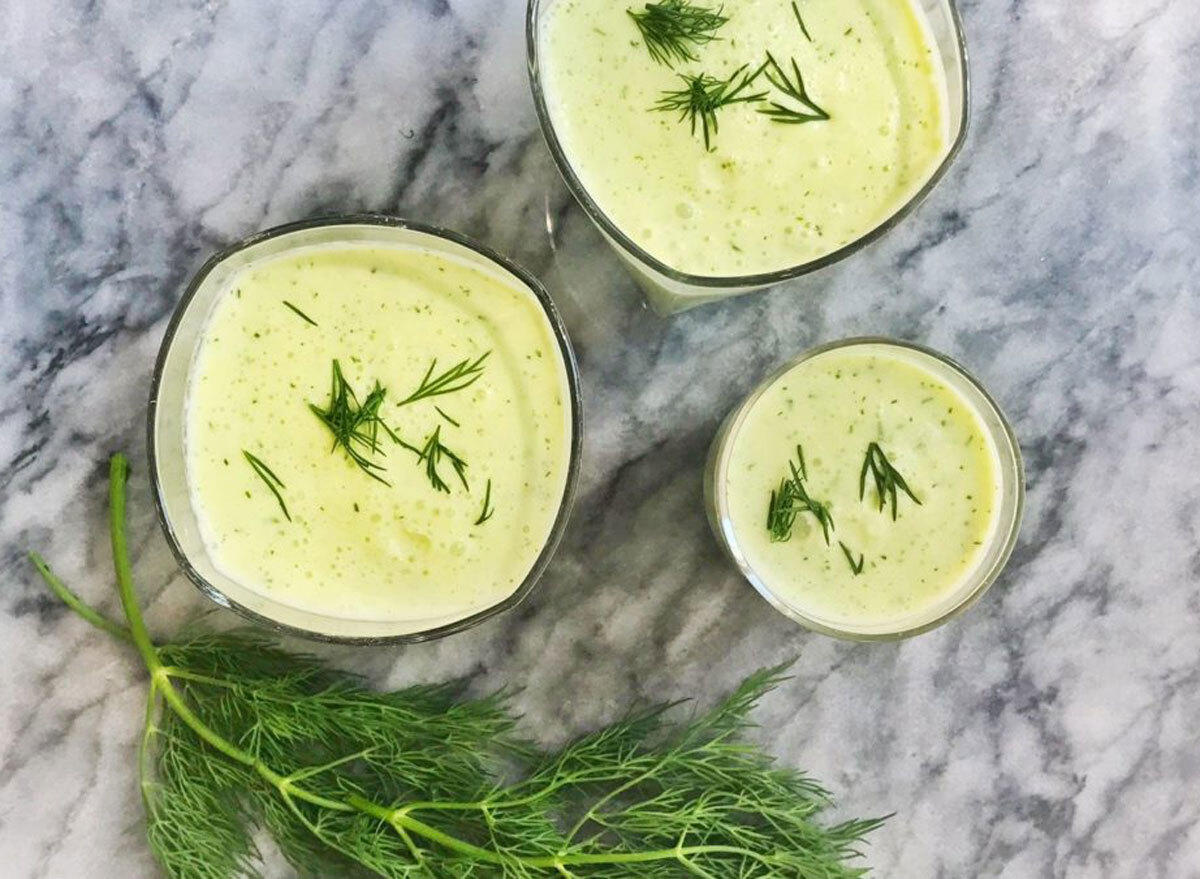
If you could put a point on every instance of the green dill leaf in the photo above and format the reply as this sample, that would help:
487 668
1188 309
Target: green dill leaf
800 21
442 413
809 111
887 479
792 499
355 426
703 95
456 378
273 482
855 566
300 313
431 456
488 509
195 821
672 28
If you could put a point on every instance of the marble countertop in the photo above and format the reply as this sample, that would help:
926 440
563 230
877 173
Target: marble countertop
1050 732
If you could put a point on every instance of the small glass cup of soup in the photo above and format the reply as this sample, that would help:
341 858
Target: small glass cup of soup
364 429
724 147
870 489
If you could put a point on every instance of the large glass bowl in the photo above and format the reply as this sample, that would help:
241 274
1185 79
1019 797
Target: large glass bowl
168 400
995 554
669 290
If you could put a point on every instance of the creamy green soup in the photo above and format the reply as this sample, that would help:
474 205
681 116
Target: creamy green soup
418 478
899 488
775 185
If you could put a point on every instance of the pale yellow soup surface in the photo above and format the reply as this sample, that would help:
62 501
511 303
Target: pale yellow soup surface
356 548
767 196
833 405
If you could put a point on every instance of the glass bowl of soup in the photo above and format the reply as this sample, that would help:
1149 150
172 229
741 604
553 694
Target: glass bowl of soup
870 489
723 148
364 429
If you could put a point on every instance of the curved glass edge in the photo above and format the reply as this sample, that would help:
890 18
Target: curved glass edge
571 366
1012 470
722 286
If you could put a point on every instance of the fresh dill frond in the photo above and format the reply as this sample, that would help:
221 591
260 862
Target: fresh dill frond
800 21
488 509
887 479
672 28
355 426
855 566
241 737
800 469
302 315
809 110
431 455
703 95
442 412
456 378
792 499
273 482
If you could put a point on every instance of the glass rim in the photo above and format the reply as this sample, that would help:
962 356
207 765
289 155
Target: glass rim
757 279
575 452
1011 466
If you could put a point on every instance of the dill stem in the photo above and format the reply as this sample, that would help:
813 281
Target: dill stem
184 675
118 475
404 823
73 601
661 854
400 819
594 809
160 675
515 802
159 678
149 728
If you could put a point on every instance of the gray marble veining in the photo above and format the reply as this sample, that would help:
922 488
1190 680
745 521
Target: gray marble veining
1051 732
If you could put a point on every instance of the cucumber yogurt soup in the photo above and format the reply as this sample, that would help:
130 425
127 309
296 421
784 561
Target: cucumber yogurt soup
377 432
863 489
745 137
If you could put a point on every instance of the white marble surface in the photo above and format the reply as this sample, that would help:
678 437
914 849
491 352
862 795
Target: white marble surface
1052 732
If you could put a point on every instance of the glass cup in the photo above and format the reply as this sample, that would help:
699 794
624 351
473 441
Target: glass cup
167 417
1000 543
669 290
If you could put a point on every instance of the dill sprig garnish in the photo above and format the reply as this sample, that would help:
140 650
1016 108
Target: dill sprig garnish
442 412
355 426
242 738
800 20
488 509
856 567
670 29
267 475
887 479
703 95
299 312
791 499
431 455
795 90
456 378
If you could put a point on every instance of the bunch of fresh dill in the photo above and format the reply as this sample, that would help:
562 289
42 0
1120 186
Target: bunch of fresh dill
424 783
